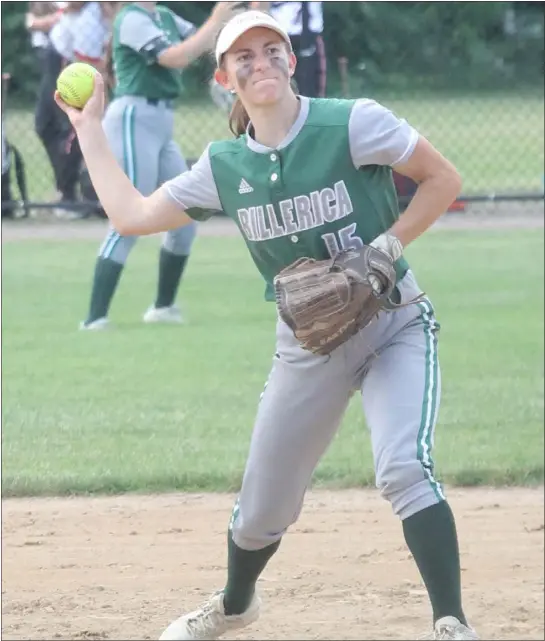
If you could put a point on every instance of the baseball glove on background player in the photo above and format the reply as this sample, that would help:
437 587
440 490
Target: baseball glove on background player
326 302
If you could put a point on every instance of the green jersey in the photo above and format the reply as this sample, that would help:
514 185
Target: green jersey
327 187
139 36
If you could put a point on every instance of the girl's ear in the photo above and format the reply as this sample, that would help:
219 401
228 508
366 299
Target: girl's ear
292 63
222 78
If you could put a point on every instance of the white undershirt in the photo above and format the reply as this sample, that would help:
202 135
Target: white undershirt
85 32
290 16
39 39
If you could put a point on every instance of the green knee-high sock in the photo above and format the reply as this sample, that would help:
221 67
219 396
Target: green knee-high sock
171 268
243 570
105 280
433 542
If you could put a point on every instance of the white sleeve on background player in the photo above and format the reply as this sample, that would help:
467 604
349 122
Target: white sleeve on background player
138 30
196 188
90 33
185 28
379 137
62 37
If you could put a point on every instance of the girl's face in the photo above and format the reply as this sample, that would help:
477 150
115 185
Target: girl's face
258 67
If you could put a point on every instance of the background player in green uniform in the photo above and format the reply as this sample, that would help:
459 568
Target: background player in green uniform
308 178
150 45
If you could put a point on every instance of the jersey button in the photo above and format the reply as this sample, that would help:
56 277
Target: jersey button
294 239
273 157
274 177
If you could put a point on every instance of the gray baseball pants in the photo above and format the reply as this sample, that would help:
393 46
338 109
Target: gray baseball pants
393 362
140 135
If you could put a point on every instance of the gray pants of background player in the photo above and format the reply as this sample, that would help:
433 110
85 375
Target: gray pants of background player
393 361
141 137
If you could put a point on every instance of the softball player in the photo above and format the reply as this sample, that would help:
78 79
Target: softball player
150 45
308 177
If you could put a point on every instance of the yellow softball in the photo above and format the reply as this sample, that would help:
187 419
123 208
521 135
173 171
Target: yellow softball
75 84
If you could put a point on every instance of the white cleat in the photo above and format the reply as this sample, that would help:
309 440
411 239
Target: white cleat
210 621
163 315
451 628
96 325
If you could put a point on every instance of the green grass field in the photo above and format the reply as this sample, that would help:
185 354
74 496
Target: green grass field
161 408
496 142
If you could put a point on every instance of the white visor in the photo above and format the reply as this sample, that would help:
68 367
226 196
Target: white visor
242 23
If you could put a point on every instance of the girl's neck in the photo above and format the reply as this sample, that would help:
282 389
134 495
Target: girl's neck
271 124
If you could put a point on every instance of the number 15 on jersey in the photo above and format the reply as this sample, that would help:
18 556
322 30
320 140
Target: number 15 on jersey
342 240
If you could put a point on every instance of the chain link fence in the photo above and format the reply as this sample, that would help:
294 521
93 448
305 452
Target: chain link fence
492 131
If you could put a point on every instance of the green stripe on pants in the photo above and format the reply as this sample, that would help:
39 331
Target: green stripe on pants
129 166
429 403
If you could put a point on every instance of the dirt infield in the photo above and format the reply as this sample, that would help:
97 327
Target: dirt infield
120 568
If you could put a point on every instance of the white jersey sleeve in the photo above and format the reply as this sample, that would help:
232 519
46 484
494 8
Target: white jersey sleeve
90 32
378 137
195 189
137 30
62 38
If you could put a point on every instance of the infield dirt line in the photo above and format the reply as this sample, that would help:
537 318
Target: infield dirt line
45 228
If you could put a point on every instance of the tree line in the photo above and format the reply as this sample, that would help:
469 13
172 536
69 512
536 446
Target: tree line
395 46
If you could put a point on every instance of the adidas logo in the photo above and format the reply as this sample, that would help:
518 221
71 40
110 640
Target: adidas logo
244 187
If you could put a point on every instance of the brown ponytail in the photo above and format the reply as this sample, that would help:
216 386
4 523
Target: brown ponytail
238 118
108 65
109 12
